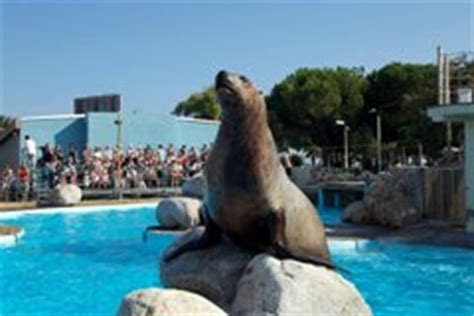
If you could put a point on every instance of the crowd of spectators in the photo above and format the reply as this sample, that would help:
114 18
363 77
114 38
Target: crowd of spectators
100 168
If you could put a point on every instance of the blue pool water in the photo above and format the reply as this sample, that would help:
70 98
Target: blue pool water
85 263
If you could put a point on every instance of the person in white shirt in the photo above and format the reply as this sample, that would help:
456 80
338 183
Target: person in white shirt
161 153
30 148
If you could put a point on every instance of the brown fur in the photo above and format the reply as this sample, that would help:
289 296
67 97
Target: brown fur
246 182
248 195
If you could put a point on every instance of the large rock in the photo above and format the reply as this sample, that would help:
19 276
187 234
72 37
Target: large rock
9 235
65 195
154 302
356 212
394 199
286 287
178 212
243 282
194 186
212 272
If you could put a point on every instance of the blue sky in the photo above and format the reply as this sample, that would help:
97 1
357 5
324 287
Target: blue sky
157 54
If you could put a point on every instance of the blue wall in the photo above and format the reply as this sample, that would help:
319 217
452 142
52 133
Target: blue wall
152 129
149 129
99 129
195 132
61 130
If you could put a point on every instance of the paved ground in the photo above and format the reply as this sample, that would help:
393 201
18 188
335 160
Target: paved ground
429 232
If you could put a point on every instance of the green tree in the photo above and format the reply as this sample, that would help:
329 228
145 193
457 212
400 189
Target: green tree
304 106
200 105
401 93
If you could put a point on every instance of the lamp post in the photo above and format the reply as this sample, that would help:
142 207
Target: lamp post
346 142
119 123
379 138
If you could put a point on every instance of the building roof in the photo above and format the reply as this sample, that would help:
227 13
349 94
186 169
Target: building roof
452 112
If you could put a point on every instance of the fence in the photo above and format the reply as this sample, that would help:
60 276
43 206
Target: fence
445 192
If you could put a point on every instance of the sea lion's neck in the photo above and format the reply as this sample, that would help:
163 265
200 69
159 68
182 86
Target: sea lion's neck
251 144
245 123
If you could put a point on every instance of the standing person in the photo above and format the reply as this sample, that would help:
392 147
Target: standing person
30 148
8 178
204 153
72 154
23 182
175 171
161 153
58 152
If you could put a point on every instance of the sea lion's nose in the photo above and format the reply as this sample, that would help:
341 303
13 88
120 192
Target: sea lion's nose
221 77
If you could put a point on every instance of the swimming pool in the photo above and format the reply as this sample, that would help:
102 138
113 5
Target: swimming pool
84 263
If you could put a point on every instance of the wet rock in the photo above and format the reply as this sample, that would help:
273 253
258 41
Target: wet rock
9 235
356 212
394 199
154 302
194 187
65 195
242 282
212 272
287 287
178 212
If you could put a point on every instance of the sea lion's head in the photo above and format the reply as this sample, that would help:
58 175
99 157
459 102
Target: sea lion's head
238 95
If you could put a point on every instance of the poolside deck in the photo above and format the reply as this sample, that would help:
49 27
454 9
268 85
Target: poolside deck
434 233
359 186
16 206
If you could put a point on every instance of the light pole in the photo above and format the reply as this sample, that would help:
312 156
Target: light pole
346 142
379 138
119 122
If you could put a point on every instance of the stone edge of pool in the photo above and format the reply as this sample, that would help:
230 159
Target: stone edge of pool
10 239
76 209
9 235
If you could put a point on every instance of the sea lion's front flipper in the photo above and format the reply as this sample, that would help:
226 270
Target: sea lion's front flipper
156 228
276 230
211 236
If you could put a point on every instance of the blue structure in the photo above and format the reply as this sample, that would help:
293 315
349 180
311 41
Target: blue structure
100 129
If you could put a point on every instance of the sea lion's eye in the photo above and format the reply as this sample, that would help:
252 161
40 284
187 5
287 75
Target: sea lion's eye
244 79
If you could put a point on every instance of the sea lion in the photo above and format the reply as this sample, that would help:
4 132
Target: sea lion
248 195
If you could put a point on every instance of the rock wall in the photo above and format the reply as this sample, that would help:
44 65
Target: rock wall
155 302
394 199
178 212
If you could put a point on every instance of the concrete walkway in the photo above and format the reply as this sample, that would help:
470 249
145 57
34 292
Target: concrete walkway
429 233
18 206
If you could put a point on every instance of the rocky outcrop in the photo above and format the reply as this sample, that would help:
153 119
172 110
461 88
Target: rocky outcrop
320 175
194 186
154 302
178 212
65 195
9 235
212 273
245 283
394 199
287 287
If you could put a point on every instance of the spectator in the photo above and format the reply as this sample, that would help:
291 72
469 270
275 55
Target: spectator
176 172
8 179
23 187
140 167
30 148
72 154
161 153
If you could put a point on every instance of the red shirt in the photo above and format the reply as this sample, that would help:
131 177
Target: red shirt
23 174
